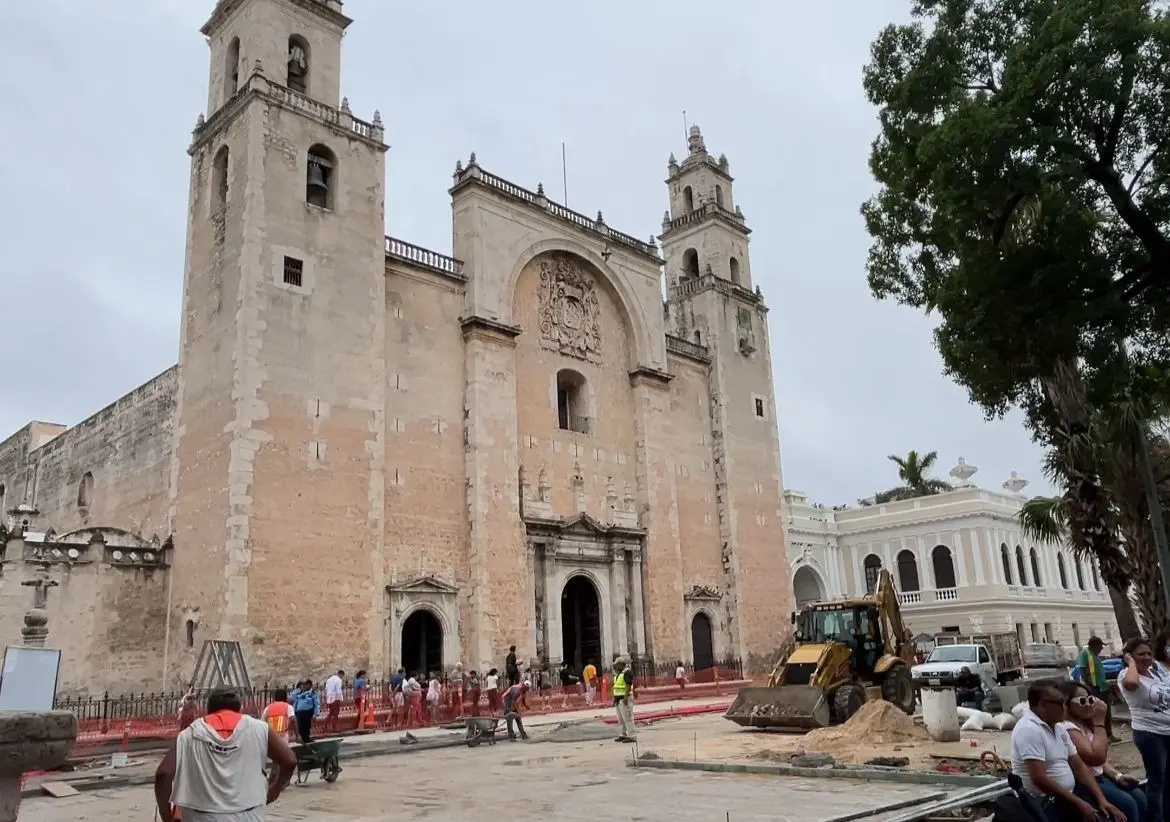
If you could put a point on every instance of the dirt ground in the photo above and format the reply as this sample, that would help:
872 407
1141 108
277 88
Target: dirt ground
714 739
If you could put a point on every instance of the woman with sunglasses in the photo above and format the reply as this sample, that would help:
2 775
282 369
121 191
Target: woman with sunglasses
1086 729
1145 685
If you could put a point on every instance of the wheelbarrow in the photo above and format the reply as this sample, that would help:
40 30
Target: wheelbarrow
481 729
321 754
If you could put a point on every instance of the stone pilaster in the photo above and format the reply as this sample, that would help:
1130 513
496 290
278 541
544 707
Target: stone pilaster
498 594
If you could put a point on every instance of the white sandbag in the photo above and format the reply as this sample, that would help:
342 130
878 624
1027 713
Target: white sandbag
966 713
1003 722
1018 711
974 722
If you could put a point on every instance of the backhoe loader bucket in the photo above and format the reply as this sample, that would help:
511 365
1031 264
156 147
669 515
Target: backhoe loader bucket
782 706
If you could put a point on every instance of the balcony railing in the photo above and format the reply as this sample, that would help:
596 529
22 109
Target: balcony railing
424 257
910 597
946 594
677 345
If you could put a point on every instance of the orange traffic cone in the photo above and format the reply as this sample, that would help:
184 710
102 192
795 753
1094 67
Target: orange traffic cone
125 746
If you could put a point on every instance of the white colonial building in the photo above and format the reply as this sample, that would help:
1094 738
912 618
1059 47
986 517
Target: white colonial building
959 560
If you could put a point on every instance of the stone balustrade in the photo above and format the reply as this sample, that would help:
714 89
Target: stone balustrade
424 257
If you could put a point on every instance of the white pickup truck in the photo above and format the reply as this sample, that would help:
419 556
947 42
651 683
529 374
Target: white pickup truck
956 665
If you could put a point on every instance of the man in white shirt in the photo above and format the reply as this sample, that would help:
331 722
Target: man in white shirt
1046 761
333 686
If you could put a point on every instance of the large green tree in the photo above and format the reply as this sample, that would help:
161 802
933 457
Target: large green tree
1024 199
1025 184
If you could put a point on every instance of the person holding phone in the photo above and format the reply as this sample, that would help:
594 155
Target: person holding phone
1086 727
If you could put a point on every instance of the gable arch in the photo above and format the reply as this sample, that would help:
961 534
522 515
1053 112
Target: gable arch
633 312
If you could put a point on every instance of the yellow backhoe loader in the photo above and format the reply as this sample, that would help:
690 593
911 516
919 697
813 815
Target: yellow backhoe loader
841 654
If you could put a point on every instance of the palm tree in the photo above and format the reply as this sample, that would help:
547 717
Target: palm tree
1045 519
1092 456
912 470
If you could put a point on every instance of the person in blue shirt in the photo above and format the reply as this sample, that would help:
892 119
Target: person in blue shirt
306 707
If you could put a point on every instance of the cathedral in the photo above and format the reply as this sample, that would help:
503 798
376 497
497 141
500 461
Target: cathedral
371 455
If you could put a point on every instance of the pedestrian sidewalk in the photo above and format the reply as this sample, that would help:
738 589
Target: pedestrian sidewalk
379 743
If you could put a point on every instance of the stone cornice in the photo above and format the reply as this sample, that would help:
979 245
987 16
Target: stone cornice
226 8
341 122
485 328
648 374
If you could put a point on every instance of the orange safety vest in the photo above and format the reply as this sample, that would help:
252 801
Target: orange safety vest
276 715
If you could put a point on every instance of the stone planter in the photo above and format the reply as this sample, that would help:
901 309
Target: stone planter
31 741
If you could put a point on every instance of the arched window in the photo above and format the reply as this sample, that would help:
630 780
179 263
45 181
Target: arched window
1080 573
1093 574
190 630
3 510
1037 580
298 64
85 490
1060 569
908 572
1006 556
572 402
219 180
690 263
873 569
944 567
321 177
735 271
688 200
719 196
1020 564
231 69
698 338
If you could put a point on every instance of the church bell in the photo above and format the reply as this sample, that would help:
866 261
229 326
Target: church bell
317 180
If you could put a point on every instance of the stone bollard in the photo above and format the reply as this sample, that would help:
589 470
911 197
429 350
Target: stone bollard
940 714
31 741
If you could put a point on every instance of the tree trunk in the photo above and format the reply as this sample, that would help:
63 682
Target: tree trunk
1127 622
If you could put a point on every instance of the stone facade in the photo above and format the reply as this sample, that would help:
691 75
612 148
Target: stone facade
959 562
372 454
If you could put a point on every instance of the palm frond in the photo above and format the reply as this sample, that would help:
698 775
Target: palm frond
1044 519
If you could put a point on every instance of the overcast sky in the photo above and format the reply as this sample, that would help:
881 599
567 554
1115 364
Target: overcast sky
100 97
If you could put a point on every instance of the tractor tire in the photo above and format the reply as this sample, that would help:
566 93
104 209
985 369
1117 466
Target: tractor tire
847 701
897 689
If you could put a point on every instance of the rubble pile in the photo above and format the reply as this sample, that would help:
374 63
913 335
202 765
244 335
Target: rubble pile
877 723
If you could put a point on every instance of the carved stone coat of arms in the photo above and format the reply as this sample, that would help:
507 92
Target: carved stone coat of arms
570 315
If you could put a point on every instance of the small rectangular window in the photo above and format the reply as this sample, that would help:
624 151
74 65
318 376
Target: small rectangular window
759 408
293 271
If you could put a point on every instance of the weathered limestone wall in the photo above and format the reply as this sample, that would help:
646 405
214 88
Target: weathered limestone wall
106 614
426 497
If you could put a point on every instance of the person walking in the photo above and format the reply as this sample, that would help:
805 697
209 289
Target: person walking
280 716
306 707
215 769
589 677
455 689
511 666
334 686
1093 675
515 700
623 699
491 688
360 687
1145 686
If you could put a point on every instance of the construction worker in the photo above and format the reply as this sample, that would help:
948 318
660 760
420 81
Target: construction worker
280 715
623 698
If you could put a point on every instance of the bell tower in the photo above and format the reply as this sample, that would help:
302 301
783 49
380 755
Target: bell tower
711 302
279 434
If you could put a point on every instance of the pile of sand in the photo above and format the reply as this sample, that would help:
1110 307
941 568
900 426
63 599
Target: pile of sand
877 723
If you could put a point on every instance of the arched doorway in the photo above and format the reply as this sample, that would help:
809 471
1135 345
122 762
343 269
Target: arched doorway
702 642
422 643
580 623
806 586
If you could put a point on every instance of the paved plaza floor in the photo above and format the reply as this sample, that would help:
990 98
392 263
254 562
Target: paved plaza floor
585 781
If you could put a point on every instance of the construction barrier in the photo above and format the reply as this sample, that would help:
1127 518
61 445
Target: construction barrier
100 737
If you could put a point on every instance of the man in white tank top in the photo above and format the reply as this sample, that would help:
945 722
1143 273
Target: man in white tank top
215 770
